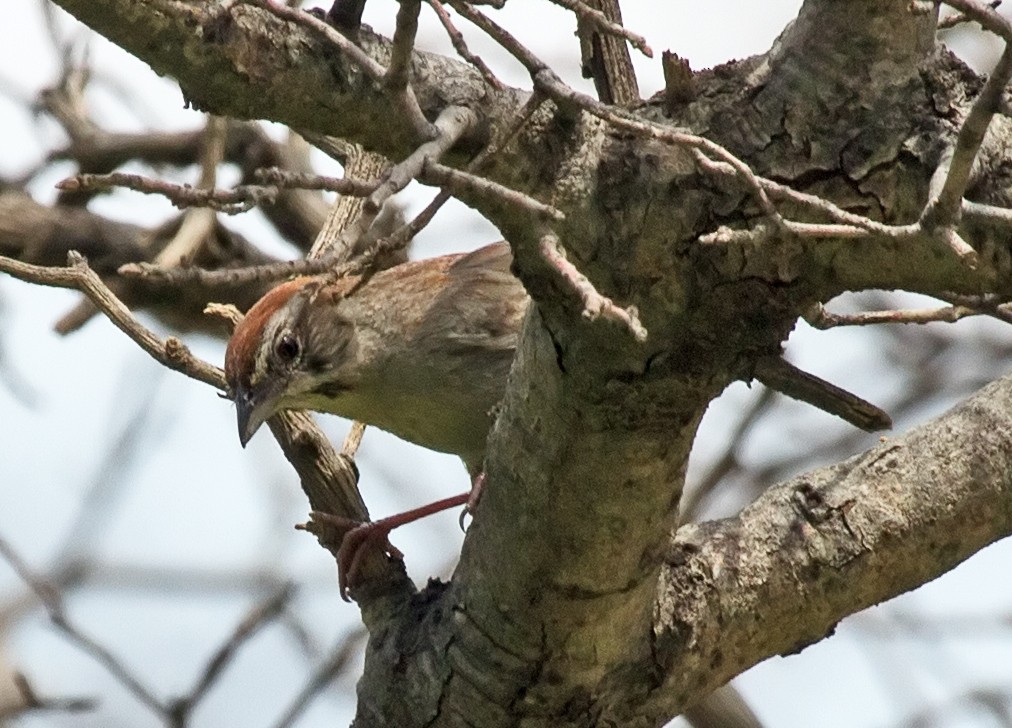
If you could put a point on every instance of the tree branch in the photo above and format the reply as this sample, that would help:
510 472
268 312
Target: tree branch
837 540
171 353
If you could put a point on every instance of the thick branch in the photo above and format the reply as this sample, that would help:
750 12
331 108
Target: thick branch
831 542
250 63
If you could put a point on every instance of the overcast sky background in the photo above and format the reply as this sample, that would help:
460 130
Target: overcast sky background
190 500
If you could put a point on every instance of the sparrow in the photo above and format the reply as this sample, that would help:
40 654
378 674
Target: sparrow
421 350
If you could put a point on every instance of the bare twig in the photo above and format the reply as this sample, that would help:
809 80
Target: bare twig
959 18
937 220
986 15
595 305
339 658
353 440
555 89
456 180
261 614
404 96
955 168
786 378
504 38
55 607
79 276
818 317
459 45
234 201
225 311
353 186
600 21
349 219
226 277
352 52
452 123
231 202
992 305
943 210
32 701
506 134
236 277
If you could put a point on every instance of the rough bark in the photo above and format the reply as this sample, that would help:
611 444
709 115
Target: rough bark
554 616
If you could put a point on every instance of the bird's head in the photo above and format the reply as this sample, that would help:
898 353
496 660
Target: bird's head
279 354
421 350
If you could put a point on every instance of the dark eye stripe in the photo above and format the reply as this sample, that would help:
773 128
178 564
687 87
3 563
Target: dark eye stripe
330 390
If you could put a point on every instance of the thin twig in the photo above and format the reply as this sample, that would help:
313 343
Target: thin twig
778 374
55 607
941 214
559 92
600 21
944 210
352 186
232 202
453 122
402 46
226 277
989 18
226 311
460 45
267 610
271 272
339 658
959 18
403 235
32 701
404 96
353 440
820 318
546 81
504 38
79 276
456 181
595 305
937 220
352 52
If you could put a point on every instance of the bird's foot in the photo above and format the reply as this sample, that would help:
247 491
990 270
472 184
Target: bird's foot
353 537
359 535
353 548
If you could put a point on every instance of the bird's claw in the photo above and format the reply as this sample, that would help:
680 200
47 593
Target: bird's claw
357 536
353 549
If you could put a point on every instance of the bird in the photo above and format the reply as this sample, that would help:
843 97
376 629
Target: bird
421 350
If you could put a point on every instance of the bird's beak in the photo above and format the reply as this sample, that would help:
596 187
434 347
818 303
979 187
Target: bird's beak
251 411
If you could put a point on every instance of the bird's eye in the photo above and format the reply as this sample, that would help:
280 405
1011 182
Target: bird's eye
287 348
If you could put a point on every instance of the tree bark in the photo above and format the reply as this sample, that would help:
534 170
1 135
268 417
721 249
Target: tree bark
572 606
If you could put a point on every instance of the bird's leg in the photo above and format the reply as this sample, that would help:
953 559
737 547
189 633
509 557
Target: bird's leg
477 485
360 535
